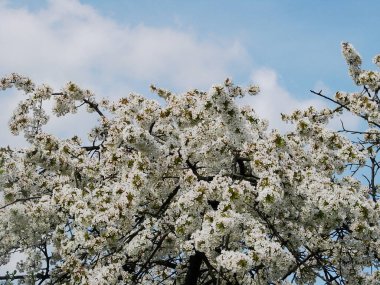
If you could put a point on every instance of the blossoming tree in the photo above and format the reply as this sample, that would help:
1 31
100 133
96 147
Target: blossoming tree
196 191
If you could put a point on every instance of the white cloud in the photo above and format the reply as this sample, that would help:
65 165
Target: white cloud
274 99
71 41
68 40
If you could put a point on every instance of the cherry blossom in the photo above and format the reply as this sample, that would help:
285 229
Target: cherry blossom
193 191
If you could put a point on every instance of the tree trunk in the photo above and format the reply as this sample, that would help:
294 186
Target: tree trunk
195 263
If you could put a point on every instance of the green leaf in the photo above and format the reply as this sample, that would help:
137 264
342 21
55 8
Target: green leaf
269 198
279 141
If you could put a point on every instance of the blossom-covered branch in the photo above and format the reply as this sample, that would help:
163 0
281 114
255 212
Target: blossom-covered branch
193 191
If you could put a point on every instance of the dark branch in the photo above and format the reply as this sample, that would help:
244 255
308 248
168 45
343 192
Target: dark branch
12 277
165 205
90 148
194 169
345 107
20 200
93 105
194 268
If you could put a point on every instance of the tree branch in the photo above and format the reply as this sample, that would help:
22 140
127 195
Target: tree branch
345 107
194 169
93 105
20 200
194 268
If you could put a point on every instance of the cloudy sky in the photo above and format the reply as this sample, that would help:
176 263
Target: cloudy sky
116 47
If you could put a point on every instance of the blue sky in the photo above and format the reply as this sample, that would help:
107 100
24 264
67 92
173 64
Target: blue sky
299 39
116 47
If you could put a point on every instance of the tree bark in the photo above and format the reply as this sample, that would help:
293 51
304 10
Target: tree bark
195 263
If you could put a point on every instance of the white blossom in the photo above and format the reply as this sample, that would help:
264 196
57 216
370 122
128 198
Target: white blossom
193 188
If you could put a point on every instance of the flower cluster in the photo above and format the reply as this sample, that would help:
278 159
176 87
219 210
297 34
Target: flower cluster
195 191
368 78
